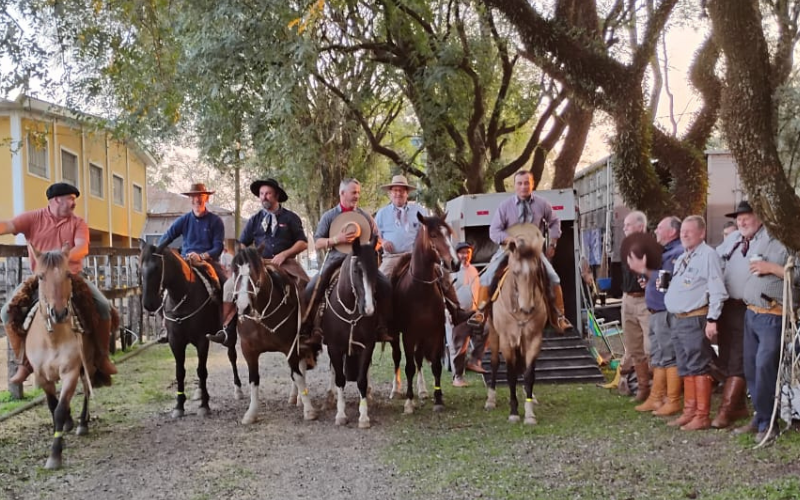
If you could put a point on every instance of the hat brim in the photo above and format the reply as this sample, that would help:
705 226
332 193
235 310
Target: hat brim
255 187
733 215
191 193
345 218
642 244
388 187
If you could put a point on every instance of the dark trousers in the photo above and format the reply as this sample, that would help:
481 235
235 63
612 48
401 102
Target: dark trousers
762 347
693 351
730 338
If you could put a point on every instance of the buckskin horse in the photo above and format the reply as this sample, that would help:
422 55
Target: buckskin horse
270 313
58 350
418 303
518 318
191 311
350 324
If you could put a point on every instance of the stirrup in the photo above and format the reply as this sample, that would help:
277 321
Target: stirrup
220 337
477 319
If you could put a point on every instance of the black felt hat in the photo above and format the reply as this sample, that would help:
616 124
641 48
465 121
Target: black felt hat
256 186
641 244
61 189
742 208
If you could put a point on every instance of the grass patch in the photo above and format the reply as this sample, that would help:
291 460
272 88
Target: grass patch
9 404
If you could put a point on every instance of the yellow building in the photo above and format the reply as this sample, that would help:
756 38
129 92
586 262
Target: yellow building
42 143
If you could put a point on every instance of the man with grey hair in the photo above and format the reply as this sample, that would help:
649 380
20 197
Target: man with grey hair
635 316
695 297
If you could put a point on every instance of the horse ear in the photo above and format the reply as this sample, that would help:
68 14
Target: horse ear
512 246
261 248
142 244
420 217
32 252
160 248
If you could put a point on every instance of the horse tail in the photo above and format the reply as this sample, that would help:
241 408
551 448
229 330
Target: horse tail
87 381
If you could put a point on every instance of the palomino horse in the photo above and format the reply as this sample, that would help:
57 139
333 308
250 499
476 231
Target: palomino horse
191 311
270 312
418 303
57 350
350 321
517 320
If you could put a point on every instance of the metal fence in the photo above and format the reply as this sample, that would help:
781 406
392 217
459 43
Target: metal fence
115 271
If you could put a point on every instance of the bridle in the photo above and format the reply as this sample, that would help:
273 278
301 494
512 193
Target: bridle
176 319
353 317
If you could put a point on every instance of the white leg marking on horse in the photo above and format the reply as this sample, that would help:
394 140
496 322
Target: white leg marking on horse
237 392
293 394
491 400
341 417
408 408
530 418
309 412
396 384
197 395
331 397
363 417
421 387
252 413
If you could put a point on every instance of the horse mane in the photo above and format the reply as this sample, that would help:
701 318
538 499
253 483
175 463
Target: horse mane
52 259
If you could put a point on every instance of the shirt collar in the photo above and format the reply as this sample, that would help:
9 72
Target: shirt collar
343 209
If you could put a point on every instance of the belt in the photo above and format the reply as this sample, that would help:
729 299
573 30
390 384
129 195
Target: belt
777 310
702 311
634 294
653 311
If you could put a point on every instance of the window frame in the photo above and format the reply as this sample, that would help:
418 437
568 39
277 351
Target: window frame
77 165
47 171
100 167
134 186
115 176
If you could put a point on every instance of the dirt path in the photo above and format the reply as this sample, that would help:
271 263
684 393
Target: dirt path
144 454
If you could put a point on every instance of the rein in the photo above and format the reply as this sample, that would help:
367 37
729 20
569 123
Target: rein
352 321
180 319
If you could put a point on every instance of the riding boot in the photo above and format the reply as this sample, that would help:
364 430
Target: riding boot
673 402
702 387
478 318
689 403
103 339
227 335
657 392
733 405
315 337
562 323
643 379
17 342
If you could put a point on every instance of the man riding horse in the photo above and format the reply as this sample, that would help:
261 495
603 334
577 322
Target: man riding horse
52 228
203 236
278 233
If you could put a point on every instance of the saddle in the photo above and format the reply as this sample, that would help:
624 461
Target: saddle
208 275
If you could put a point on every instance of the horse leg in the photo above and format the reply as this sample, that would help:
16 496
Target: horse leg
251 356
60 414
83 419
438 398
494 346
330 399
530 399
202 375
237 382
293 394
422 389
511 374
337 365
408 408
179 353
299 377
363 387
396 357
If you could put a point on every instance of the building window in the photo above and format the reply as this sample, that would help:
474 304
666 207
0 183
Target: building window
96 180
138 198
38 163
69 167
119 190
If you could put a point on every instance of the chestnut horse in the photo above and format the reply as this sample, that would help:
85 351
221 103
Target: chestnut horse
58 350
350 321
270 314
517 320
418 302
191 311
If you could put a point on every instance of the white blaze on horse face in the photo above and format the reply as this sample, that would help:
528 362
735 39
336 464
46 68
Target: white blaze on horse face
369 297
242 294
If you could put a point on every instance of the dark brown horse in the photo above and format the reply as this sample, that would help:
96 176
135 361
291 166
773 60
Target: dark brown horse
350 321
419 308
517 321
191 311
270 312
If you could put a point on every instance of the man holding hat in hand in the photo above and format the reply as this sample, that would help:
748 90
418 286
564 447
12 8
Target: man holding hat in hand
279 233
52 228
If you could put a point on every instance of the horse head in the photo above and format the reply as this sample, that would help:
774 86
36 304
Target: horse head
361 270
249 277
438 235
55 287
524 263
152 265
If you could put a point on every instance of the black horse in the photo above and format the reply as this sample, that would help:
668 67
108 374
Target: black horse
191 311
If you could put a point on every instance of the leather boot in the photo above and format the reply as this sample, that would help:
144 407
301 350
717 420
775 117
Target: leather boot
102 340
657 392
315 337
478 318
702 387
734 406
689 403
24 369
643 379
673 403
227 335
562 323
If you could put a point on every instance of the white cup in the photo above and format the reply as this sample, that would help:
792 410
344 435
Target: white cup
756 258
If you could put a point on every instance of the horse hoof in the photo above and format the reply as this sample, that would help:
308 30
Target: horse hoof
364 424
69 425
530 421
237 393
394 395
177 413
310 415
53 463
341 420
203 411
82 430
408 408
197 395
514 419
249 419
489 406
423 395
438 408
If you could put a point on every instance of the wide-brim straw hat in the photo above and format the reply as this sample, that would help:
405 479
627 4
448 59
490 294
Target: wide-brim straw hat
527 232
255 187
350 222
398 181
198 188
641 244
